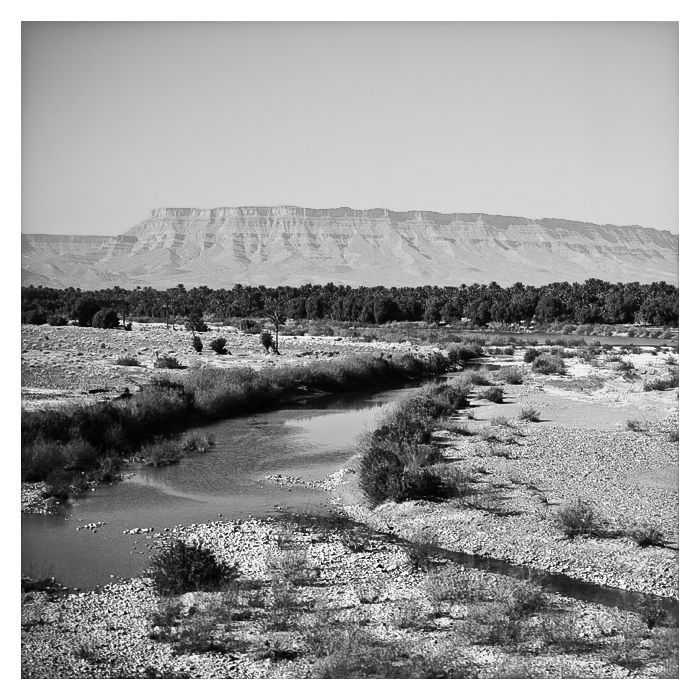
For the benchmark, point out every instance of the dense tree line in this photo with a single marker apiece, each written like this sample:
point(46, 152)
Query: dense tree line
point(593, 301)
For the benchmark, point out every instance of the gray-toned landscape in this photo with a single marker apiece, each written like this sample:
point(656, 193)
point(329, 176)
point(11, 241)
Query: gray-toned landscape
point(339, 442)
point(294, 246)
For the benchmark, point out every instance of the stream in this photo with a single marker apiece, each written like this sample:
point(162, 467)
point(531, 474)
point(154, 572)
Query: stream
point(308, 441)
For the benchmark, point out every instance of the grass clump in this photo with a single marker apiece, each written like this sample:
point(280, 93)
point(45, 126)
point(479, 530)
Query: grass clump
point(218, 345)
point(198, 442)
point(159, 454)
point(291, 565)
point(167, 362)
point(127, 361)
point(531, 354)
point(444, 589)
point(512, 375)
point(479, 378)
point(661, 383)
point(458, 353)
point(493, 394)
point(577, 519)
point(647, 535)
point(548, 364)
point(529, 414)
point(181, 568)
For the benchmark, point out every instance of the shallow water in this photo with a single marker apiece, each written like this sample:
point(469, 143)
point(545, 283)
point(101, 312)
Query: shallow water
point(228, 482)
point(558, 338)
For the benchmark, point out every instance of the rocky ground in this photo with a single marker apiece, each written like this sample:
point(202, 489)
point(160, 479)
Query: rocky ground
point(69, 363)
point(522, 473)
point(302, 587)
point(313, 602)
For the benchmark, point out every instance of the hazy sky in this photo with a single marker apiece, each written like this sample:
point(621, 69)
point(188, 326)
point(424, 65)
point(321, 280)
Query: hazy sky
point(565, 120)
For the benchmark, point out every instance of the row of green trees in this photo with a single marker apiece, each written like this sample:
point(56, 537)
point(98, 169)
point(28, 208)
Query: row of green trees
point(593, 301)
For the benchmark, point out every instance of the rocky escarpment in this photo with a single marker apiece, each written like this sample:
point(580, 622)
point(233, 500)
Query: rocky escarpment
point(294, 245)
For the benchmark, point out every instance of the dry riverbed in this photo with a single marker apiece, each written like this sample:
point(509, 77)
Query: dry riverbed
point(313, 602)
point(522, 473)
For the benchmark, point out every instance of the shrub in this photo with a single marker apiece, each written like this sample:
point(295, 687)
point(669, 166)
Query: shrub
point(500, 451)
point(198, 442)
point(291, 565)
point(548, 364)
point(652, 613)
point(181, 568)
point(459, 354)
point(105, 318)
point(493, 394)
point(266, 340)
point(577, 519)
point(421, 552)
point(167, 362)
point(197, 343)
point(531, 354)
point(56, 320)
point(35, 317)
point(524, 600)
point(399, 472)
point(108, 469)
point(40, 458)
point(479, 379)
point(127, 361)
point(445, 588)
point(512, 375)
point(196, 324)
point(530, 414)
point(218, 345)
point(661, 383)
point(646, 535)
point(84, 311)
point(158, 454)
point(247, 325)
point(501, 420)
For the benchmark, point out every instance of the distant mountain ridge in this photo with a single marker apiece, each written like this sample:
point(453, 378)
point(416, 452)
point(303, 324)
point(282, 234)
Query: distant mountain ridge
point(296, 245)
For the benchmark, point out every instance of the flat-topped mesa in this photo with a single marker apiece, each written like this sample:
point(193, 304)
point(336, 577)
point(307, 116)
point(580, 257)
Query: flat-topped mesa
point(415, 215)
point(298, 245)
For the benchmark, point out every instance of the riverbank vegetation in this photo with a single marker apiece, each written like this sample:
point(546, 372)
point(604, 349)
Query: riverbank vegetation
point(65, 444)
point(398, 463)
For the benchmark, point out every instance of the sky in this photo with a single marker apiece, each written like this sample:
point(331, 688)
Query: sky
point(563, 120)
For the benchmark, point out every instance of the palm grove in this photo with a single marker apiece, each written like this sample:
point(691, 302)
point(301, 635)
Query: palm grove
point(593, 301)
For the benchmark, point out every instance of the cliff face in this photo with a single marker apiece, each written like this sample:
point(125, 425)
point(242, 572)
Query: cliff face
point(292, 245)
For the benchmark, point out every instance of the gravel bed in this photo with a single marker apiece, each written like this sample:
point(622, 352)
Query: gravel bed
point(629, 478)
point(106, 633)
